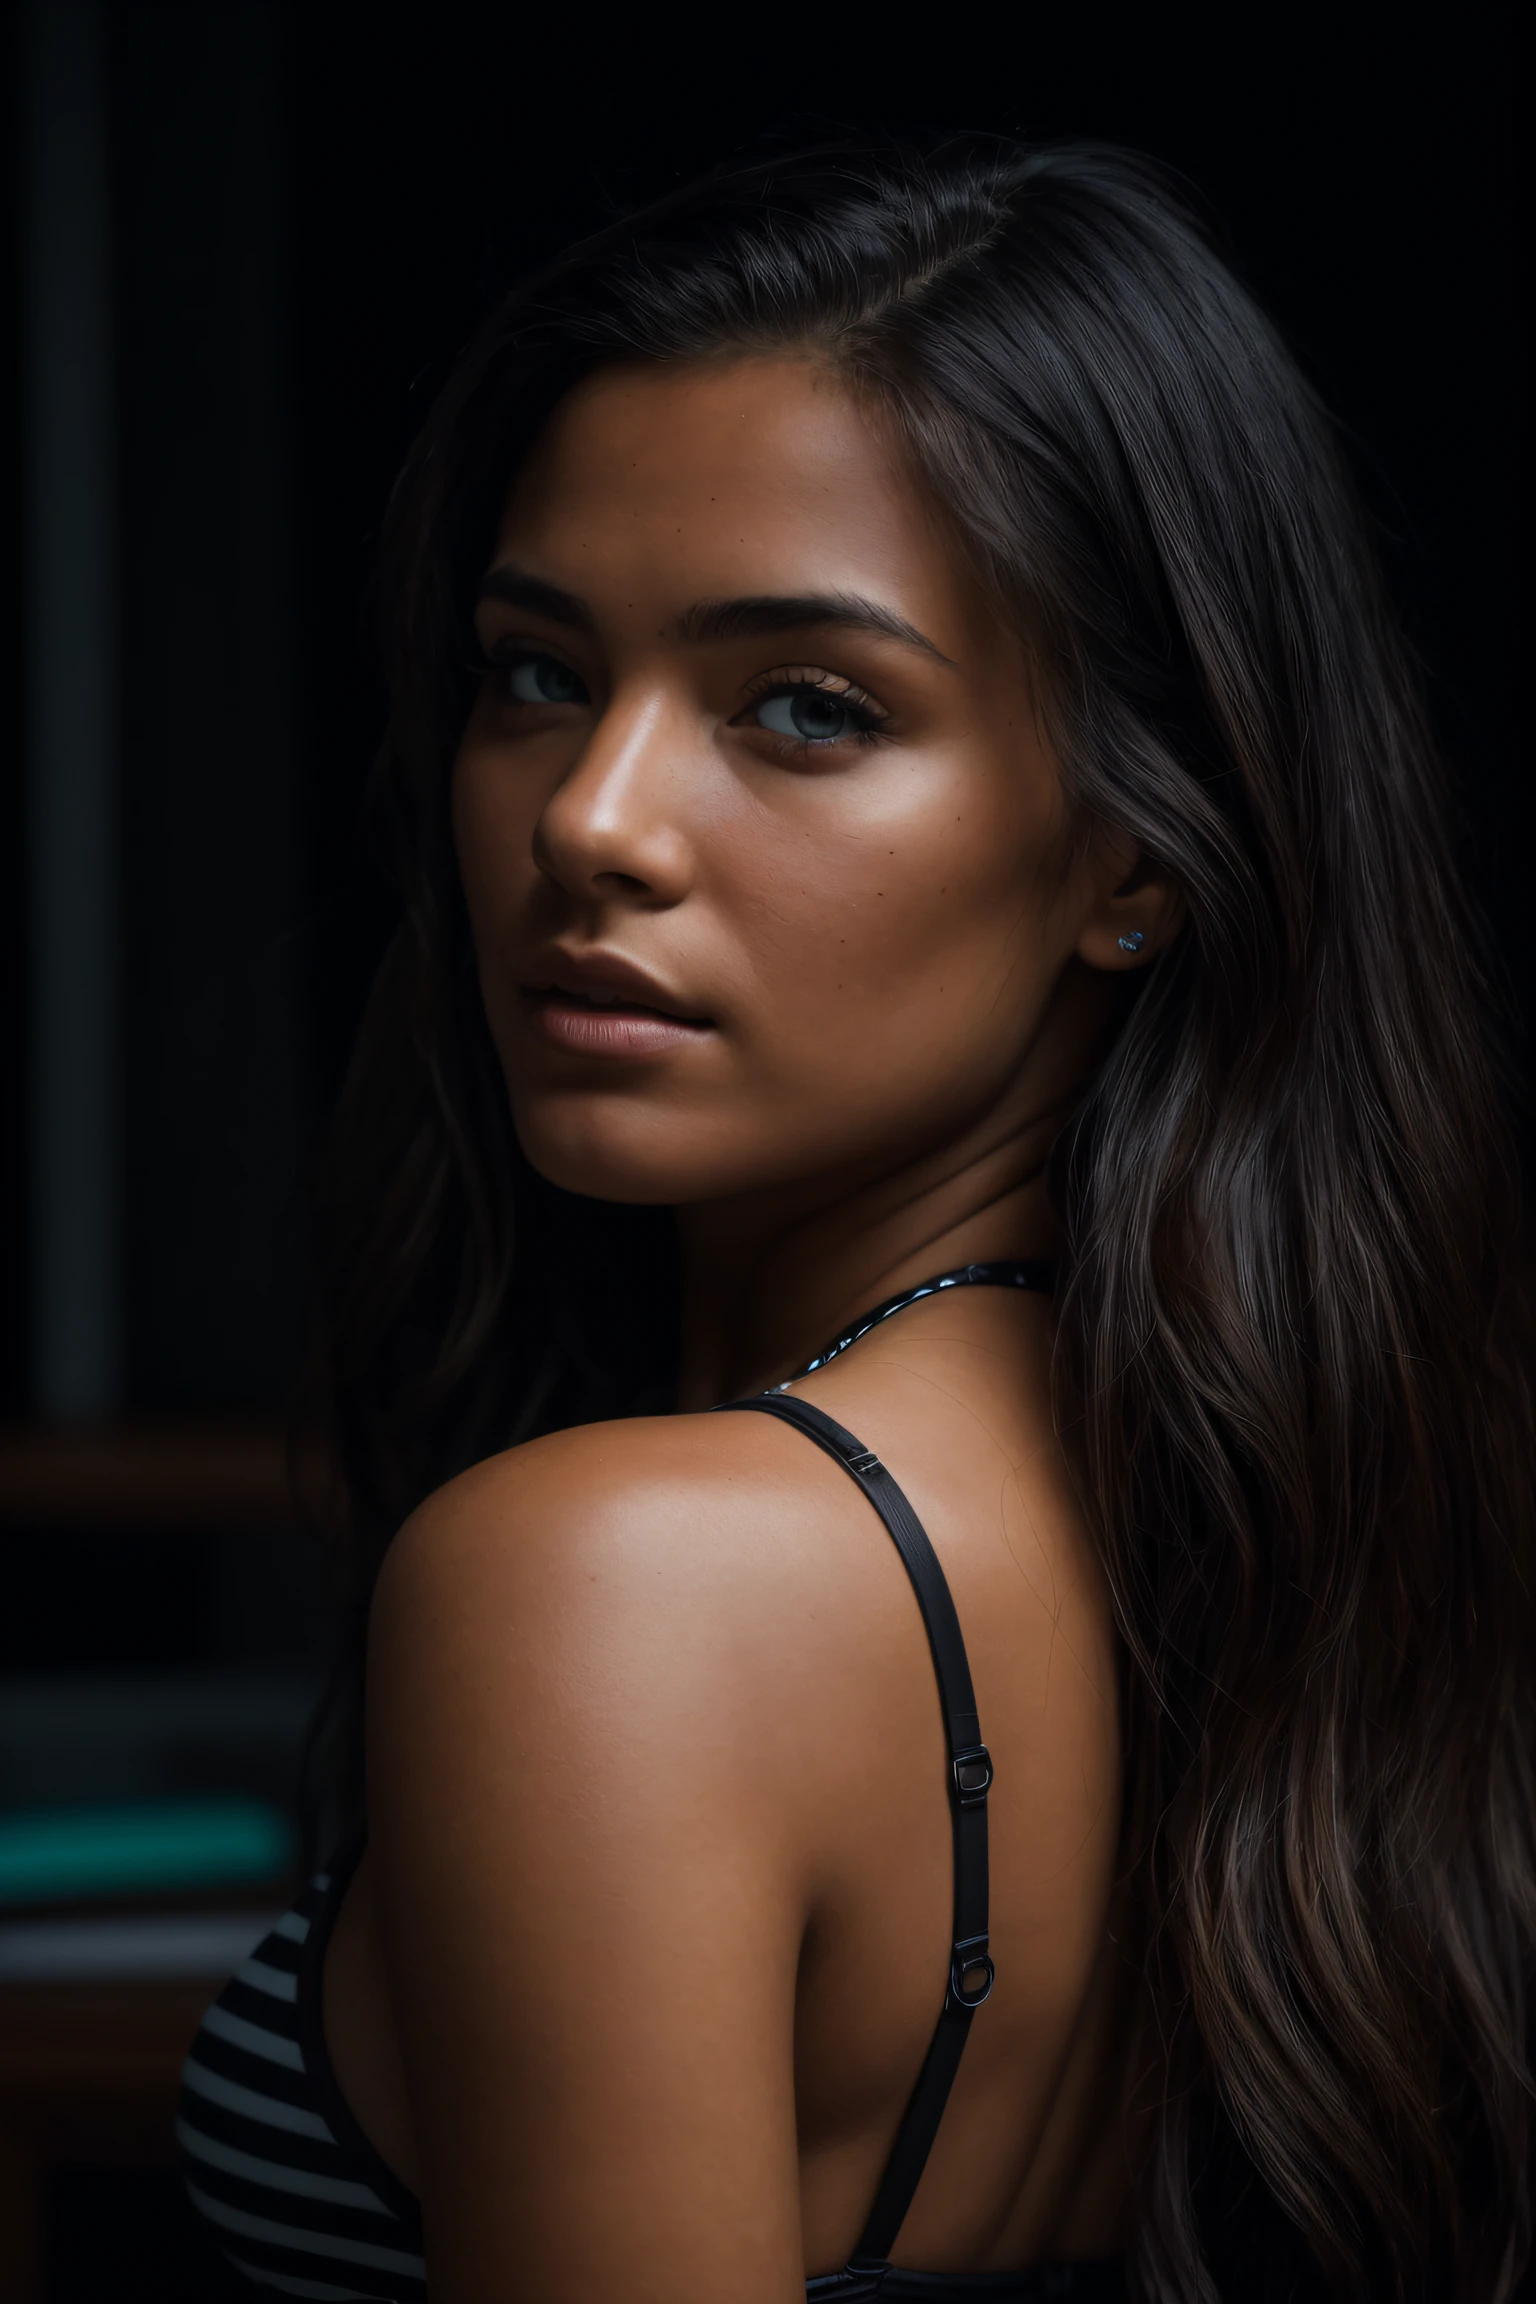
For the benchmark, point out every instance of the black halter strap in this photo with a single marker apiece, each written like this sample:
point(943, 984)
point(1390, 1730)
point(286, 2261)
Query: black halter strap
point(970, 1766)
point(1011, 1272)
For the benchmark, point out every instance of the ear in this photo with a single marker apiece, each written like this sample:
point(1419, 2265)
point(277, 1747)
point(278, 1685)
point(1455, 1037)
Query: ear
point(1133, 912)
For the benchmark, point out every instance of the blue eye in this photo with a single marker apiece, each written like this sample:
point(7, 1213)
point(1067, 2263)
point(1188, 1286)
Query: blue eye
point(544, 680)
point(811, 716)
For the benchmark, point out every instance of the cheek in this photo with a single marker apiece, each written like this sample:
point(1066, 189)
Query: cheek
point(908, 962)
point(493, 817)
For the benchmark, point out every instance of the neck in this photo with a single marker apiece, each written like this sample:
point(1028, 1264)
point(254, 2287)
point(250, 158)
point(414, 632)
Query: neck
point(771, 1277)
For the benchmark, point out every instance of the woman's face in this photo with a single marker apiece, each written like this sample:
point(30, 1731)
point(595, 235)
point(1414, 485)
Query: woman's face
point(767, 859)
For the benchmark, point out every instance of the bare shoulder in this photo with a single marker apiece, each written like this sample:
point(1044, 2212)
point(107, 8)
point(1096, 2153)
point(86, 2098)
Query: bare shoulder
point(616, 1547)
point(702, 1513)
point(661, 1578)
point(587, 1753)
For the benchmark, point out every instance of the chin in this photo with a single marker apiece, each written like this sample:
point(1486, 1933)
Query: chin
point(641, 1160)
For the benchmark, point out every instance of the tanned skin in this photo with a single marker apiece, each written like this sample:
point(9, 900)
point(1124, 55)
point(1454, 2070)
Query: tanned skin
point(652, 1932)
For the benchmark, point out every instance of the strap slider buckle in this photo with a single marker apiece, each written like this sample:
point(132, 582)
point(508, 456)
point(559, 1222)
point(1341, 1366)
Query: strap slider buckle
point(971, 1973)
point(972, 1771)
point(866, 1461)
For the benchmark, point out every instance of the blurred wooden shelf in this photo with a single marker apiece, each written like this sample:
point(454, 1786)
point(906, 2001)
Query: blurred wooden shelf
point(91, 2071)
point(189, 1474)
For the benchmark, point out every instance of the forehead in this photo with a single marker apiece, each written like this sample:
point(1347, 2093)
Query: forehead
point(712, 480)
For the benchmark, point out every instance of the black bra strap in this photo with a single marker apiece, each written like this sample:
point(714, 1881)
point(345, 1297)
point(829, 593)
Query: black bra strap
point(970, 1773)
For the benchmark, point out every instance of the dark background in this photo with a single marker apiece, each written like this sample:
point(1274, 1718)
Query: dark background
point(310, 209)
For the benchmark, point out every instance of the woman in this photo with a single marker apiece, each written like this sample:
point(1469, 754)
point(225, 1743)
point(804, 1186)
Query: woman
point(900, 773)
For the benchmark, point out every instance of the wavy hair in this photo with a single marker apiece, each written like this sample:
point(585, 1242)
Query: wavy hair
point(1286, 1340)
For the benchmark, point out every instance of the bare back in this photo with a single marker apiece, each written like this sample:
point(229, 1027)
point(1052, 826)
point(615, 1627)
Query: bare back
point(849, 1856)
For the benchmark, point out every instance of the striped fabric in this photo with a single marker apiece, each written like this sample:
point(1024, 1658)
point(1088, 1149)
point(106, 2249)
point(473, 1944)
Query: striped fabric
point(293, 2192)
point(298, 2198)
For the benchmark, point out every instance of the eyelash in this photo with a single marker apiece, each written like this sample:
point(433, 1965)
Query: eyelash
point(869, 719)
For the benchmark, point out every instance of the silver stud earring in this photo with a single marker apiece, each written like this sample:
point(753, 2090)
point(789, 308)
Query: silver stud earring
point(1133, 942)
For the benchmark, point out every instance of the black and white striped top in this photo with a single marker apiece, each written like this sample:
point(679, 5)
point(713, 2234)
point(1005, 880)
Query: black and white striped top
point(296, 2196)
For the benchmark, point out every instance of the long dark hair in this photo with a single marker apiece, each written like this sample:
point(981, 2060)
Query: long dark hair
point(1289, 1384)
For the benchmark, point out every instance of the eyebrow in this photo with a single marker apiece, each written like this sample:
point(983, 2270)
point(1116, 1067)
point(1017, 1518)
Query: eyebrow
point(531, 592)
point(758, 616)
point(766, 613)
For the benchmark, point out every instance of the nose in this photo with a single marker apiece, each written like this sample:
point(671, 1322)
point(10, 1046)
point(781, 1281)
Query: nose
point(611, 827)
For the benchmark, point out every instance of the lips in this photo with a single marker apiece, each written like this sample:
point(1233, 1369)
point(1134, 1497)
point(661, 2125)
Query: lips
point(600, 1004)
